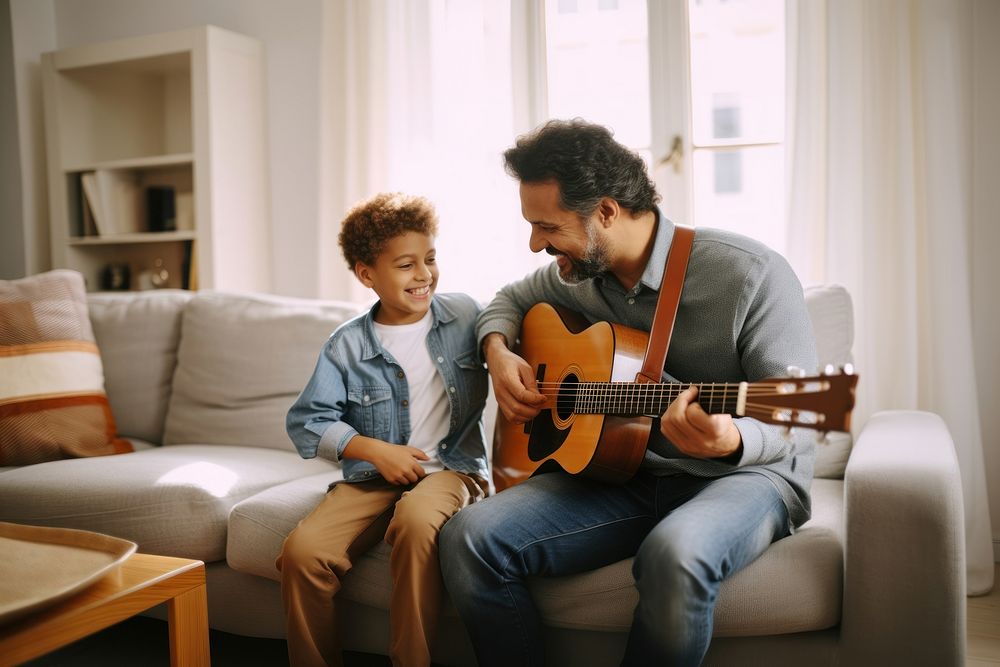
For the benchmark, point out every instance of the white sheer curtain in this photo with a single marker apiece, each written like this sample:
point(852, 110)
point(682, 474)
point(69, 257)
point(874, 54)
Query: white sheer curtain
point(419, 96)
point(879, 201)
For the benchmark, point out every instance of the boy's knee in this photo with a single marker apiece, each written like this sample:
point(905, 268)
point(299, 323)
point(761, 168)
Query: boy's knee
point(302, 555)
point(297, 553)
point(416, 529)
point(293, 550)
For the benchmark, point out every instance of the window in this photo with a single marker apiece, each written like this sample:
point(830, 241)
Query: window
point(705, 75)
point(728, 172)
point(737, 66)
point(597, 66)
point(708, 73)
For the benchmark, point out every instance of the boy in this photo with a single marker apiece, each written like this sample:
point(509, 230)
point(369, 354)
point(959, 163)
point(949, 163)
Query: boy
point(398, 396)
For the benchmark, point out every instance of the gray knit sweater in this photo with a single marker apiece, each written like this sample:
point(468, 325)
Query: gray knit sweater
point(741, 317)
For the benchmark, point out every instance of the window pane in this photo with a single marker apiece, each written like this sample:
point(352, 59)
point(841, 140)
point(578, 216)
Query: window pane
point(738, 190)
point(737, 71)
point(593, 44)
point(728, 172)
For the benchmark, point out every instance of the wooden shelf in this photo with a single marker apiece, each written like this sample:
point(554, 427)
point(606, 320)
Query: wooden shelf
point(151, 162)
point(145, 237)
point(178, 111)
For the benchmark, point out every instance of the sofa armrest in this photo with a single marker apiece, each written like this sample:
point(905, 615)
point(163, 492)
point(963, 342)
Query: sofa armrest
point(904, 580)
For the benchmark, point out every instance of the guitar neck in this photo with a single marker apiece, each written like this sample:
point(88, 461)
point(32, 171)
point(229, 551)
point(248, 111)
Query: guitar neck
point(632, 398)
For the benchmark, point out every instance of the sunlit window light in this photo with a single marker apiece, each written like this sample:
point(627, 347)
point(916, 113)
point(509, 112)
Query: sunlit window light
point(209, 477)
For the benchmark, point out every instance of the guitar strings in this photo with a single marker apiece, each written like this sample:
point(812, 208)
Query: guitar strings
point(607, 397)
point(602, 395)
point(626, 389)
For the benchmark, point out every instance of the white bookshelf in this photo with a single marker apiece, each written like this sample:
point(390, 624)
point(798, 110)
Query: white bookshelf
point(181, 109)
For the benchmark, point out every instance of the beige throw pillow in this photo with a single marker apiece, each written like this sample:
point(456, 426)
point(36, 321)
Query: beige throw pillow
point(52, 399)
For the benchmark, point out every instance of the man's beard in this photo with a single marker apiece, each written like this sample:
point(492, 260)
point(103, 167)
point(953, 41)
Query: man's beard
point(594, 262)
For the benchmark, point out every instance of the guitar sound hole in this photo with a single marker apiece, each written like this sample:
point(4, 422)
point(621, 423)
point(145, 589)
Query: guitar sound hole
point(566, 401)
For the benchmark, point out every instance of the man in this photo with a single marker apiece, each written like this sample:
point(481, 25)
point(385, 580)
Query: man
point(712, 492)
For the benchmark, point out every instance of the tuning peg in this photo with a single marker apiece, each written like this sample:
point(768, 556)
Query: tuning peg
point(795, 372)
point(848, 369)
point(829, 369)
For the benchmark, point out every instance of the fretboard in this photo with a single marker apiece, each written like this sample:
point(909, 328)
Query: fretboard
point(632, 399)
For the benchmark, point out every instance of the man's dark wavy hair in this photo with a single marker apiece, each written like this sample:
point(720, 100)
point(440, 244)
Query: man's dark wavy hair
point(586, 162)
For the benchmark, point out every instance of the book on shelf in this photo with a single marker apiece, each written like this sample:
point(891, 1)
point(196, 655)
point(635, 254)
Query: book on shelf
point(121, 201)
point(114, 199)
point(185, 210)
point(189, 267)
point(93, 214)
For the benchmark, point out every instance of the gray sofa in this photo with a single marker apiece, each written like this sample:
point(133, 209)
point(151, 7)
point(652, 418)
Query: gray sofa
point(201, 382)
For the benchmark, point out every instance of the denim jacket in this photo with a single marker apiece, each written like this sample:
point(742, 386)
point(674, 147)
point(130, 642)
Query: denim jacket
point(358, 388)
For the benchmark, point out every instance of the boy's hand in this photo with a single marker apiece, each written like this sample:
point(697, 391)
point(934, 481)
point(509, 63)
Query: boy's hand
point(398, 464)
point(513, 381)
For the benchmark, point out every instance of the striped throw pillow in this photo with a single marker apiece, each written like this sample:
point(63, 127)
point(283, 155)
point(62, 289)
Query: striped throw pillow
point(52, 400)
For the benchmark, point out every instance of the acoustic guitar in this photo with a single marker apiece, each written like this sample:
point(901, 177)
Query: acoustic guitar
point(597, 420)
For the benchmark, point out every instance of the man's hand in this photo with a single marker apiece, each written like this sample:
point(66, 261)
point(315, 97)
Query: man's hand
point(513, 381)
point(398, 464)
point(697, 433)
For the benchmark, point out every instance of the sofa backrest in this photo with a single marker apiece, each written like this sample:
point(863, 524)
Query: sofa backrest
point(832, 314)
point(138, 334)
point(242, 361)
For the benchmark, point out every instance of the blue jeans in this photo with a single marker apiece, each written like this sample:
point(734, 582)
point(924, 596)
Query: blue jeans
point(687, 534)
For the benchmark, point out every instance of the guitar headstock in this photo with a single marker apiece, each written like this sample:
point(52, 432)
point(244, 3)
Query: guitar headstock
point(821, 402)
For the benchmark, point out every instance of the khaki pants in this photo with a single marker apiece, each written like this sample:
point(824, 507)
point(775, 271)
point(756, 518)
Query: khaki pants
point(350, 520)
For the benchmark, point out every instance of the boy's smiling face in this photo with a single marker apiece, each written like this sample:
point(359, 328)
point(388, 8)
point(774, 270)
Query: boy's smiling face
point(404, 276)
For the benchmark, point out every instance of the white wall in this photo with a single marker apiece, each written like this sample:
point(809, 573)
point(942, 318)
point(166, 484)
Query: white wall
point(11, 235)
point(291, 33)
point(24, 231)
point(986, 241)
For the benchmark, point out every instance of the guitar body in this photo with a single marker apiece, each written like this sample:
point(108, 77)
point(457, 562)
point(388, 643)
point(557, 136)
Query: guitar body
point(563, 350)
point(592, 421)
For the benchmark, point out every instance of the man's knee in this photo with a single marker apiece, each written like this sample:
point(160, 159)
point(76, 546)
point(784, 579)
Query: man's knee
point(667, 558)
point(453, 537)
point(462, 539)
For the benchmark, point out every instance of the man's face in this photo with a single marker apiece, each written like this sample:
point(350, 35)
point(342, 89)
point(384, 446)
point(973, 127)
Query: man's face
point(578, 245)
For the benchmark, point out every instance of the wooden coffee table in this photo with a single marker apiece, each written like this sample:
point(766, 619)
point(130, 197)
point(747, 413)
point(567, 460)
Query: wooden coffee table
point(141, 582)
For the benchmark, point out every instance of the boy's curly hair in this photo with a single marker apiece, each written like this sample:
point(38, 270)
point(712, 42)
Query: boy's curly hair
point(370, 225)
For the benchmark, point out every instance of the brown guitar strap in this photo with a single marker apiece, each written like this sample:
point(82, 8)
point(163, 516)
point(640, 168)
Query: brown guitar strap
point(666, 305)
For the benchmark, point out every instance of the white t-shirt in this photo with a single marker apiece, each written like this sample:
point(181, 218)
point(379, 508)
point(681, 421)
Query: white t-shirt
point(430, 412)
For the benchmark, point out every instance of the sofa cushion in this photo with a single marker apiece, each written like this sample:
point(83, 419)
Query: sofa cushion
point(52, 399)
point(242, 361)
point(794, 587)
point(172, 501)
point(138, 333)
point(259, 525)
point(832, 314)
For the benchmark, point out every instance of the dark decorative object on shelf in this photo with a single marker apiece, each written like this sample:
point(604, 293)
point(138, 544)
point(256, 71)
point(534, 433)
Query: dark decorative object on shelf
point(161, 209)
point(116, 276)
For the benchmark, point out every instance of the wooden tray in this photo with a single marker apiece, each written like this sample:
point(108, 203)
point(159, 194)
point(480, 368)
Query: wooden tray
point(40, 566)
